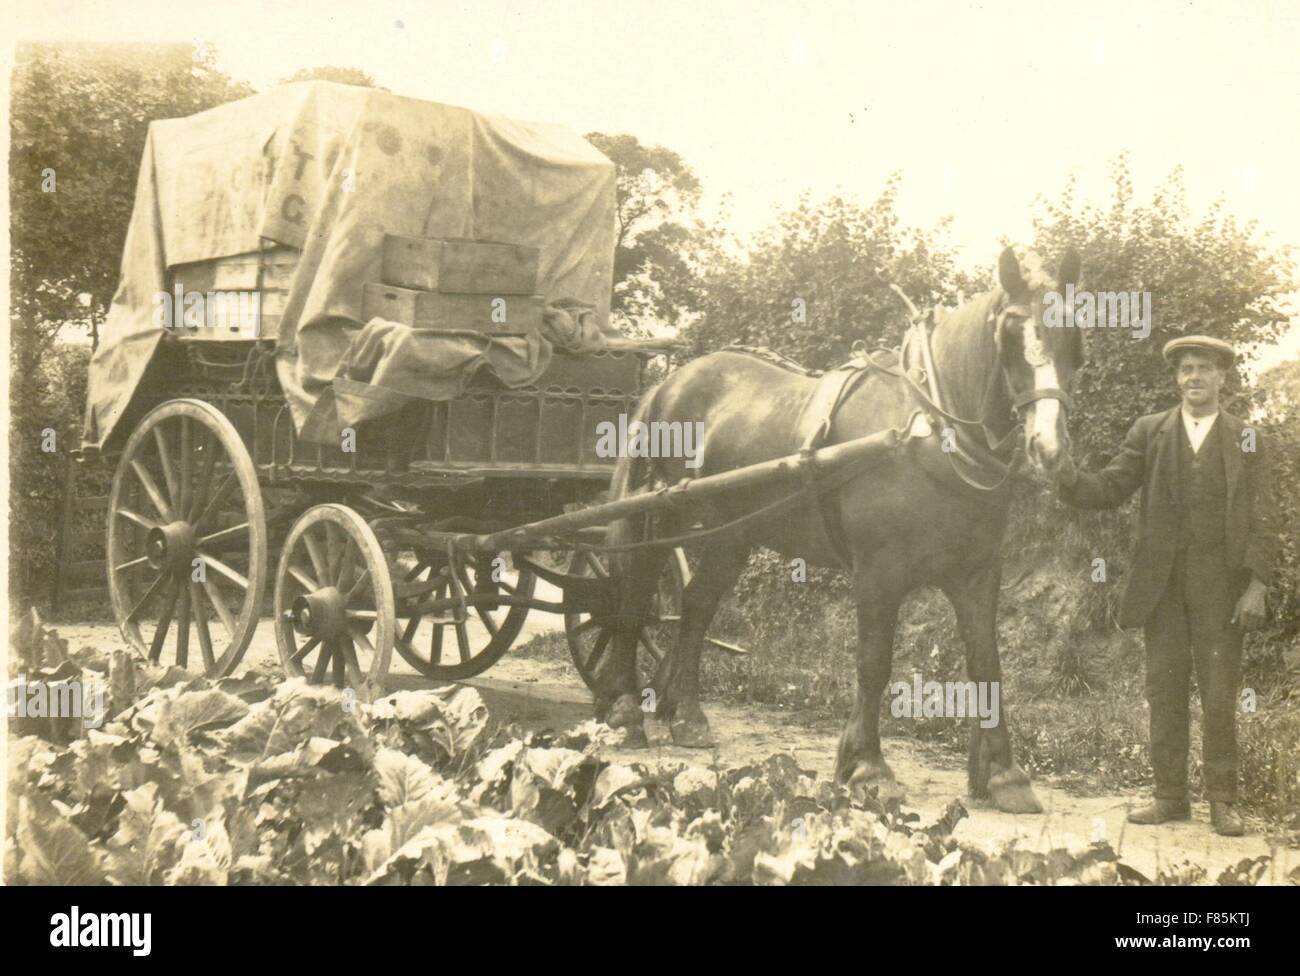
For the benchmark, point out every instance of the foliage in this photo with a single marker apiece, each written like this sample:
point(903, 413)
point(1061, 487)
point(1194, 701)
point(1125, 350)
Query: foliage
point(244, 781)
point(819, 280)
point(83, 111)
point(1210, 275)
point(336, 73)
point(659, 239)
point(53, 394)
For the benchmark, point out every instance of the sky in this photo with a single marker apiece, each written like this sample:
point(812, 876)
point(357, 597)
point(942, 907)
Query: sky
point(980, 106)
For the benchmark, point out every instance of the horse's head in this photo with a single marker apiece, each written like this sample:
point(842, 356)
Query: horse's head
point(1038, 362)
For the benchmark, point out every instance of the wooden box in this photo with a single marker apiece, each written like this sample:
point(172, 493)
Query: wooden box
point(266, 273)
point(442, 312)
point(460, 266)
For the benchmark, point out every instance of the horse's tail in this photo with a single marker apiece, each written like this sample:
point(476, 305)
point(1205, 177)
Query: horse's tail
point(631, 476)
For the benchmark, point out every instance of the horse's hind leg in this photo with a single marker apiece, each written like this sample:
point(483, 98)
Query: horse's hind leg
point(992, 771)
point(619, 703)
point(678, 683)
point(860, 762)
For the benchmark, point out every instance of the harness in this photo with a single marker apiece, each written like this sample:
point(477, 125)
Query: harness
point(989, 453)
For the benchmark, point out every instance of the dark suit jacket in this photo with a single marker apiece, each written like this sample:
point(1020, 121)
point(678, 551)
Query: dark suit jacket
point(1149, 460)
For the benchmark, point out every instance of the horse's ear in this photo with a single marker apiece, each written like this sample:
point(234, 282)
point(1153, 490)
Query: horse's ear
point(1013, 283)
point(1071, 265)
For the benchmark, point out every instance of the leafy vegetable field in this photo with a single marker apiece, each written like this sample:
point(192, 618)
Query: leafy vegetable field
point(244, 780)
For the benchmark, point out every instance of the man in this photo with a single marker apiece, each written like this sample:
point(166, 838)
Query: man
point(1203, 562)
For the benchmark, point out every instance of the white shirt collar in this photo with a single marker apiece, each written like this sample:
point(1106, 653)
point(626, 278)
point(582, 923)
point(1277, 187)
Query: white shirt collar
point(1198, 421)
point(1198, 428)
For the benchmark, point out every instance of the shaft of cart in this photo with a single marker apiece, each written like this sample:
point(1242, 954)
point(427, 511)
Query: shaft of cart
point(799, 466)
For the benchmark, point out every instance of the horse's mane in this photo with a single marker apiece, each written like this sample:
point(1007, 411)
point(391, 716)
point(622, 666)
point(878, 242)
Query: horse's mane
point(964, 352)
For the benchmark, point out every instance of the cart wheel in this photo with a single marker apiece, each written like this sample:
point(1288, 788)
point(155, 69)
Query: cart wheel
point(187, 537)
point(590, 637)
point(481, 634)
point(334, 601)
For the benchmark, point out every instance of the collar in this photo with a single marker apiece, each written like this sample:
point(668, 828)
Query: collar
point(1197, 421)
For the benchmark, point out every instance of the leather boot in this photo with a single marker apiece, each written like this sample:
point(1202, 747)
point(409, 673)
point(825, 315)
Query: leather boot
point(1160, 810)
point(1225, 819)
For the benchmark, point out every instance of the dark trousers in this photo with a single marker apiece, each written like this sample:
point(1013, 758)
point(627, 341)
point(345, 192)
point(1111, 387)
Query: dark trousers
point(1191, 627)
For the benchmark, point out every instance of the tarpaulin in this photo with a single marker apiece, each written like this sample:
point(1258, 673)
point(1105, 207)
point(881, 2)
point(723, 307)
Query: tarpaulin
point(331, 169)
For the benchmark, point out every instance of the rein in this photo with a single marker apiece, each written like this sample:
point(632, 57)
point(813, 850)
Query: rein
point(995, 450)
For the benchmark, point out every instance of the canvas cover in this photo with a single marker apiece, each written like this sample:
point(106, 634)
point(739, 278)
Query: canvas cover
point(330, 169)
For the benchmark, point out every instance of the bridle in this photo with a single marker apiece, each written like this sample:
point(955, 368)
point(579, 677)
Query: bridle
point(997, 454)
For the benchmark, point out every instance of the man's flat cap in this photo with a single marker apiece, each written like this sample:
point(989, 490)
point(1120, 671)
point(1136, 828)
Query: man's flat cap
point(1209, 344)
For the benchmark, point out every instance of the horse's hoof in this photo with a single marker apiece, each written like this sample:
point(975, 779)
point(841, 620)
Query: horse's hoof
point(1011, 792)
point(867, 776)
point(692, 734)
point(624, 713)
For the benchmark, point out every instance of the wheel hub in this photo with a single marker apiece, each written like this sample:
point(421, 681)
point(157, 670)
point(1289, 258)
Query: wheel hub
point(170, 546)
point(319, 614)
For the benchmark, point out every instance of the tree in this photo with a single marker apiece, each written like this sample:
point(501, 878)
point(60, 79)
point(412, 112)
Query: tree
point(80, 115)
point(1211, 275)
point(819, 280)
point(658, 232)
point(344, 76)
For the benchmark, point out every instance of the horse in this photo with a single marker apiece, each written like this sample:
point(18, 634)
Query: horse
point(917, 515)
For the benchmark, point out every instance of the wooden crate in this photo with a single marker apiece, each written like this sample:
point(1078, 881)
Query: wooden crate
point(460, 266)
point(267, 272)
point(442, 312)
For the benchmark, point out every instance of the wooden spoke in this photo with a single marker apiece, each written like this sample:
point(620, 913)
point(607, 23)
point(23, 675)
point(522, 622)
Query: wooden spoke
point(318, 560)
point(218, 499)
point(322, 663)
point(350, 661)
point(347, 566)
point(219, 605)
point(149, 594)
point(164, 622)
point(585, 626)
point(151, 489)
point(139, 520)
point(201, 625)
point(187, 466)
point(168, 470)
point(306, 648)
point(435, 644)
point(132, 563)
point(213, 562)
point(303, 580)
point(183, 627)
point(333, 550)
point(598, 651)
point(358, 586)
point(201, 492)
point(462, 642)
point(341, 647)
point(651, 645)
point(225, 535)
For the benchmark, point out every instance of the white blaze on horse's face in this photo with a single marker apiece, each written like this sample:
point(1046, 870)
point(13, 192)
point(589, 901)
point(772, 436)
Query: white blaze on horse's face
point(1043, 429)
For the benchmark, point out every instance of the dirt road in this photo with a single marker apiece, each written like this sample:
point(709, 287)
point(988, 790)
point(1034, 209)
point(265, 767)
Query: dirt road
point(543, 693)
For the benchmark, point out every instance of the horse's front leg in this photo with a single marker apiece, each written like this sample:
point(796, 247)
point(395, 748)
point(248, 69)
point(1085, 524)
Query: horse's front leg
point(992, 772)
point(860, 761)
